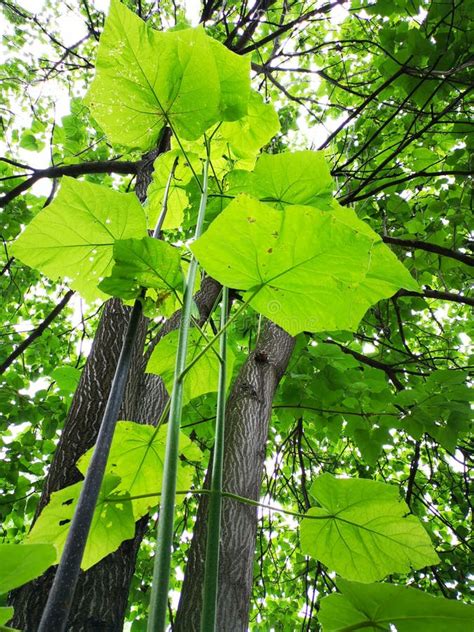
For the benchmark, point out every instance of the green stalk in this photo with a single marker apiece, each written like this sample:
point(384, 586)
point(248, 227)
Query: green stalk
point(161, 570)
point(211, 571)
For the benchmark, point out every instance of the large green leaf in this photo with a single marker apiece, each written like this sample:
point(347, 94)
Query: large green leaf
point(137, 457)
point(362, 530)
point(74, 236)
point(304, 268)
point(202, 377)
point(112, 523)
point(379, 606)
point(146, 262)
point(146, 79)
point(20, 563)
point(300, 177)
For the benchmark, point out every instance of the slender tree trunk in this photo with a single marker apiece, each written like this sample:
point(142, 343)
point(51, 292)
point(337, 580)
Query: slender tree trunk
point(248, 414)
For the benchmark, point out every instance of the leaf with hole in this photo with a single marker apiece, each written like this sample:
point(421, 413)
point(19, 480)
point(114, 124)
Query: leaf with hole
point(112, 523)
point(137, 457)
point(146, 79)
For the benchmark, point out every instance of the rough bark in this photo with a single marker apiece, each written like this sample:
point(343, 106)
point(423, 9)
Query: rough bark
point(101, 595)
point(248, 415)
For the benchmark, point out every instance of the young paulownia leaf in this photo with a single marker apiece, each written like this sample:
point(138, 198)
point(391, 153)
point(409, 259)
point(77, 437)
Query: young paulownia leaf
point(146, 262)
point(74, 236)
point(202, 377)
point(362, 530)
point(137, 457)
point(305, 269)
point(20, 563)
point(300, 177)
point(146, 79)
point(113, 522)
point(377, 607)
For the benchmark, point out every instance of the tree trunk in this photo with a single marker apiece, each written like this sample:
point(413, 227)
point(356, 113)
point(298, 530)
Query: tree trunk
point(248, 413)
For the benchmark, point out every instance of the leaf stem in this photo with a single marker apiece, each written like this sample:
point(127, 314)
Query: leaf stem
point(161, 570)
point(211, 572)
point(55, 615)
point(220, 332)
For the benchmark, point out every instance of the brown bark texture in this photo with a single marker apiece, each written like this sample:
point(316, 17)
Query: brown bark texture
point(248, 413)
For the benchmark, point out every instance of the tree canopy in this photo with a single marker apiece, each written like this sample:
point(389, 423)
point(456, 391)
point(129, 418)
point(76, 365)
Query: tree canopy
point(286, 187)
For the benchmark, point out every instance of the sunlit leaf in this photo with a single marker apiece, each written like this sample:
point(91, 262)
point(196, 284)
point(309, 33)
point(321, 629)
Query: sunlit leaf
point(74, 236)
point(20, 563)
point(300, 177)
point(146, 79)
point(362, 531)
point(304, 268)
point(137, 457)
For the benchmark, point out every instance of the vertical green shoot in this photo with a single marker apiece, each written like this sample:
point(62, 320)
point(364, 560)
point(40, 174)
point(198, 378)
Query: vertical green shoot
point(161, 570)
point(211, 572)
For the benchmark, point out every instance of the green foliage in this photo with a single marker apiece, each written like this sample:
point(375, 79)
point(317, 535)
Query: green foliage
point(136, 461)
point(304, 268)
point(146, 79)
point(21, 563)
point(379, 606)
point(390, 402)
point(113, 521)
point(149, 263)
point(74, 236)
point(362, 530)
point(285, 179)
point(202, 376)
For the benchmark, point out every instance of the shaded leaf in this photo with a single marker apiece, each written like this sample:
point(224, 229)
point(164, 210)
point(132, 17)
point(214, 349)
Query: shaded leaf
point(376, 607)
point(202, 377)
point(112, 523)
point(146, 262)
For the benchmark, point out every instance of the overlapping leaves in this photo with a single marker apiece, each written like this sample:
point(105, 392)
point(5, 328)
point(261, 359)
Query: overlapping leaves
point(145, 262)
point(134, 468)
point(112, 523)
point(381, 606)
point(74, 236)
point(203, 375)
point(137, 457)
point(147, 79)
point(304, 268)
